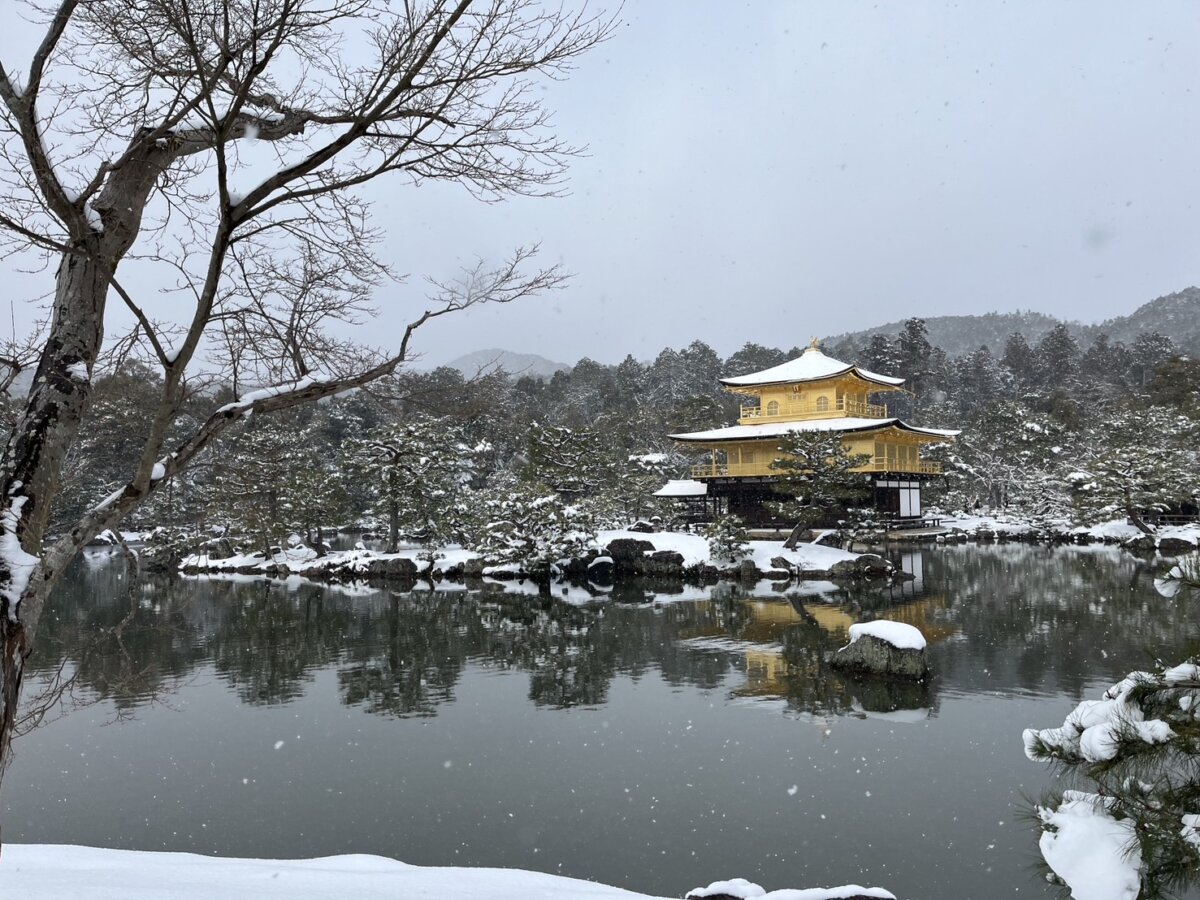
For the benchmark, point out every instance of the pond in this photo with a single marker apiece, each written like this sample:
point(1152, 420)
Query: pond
point(657, 746)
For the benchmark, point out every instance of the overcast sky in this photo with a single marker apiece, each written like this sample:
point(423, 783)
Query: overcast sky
point(771, 171)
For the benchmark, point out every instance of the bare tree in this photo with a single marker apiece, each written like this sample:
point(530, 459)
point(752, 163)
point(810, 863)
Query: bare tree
point(131, 142)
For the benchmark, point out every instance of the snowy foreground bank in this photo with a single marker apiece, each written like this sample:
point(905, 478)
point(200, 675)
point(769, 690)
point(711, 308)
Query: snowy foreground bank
point(64, 872)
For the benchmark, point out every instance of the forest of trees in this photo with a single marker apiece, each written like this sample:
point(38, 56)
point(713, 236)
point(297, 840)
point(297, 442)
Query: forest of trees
point(1049, 430)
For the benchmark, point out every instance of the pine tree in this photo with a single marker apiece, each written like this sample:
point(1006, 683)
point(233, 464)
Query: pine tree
point(1057, 359)
point(534, 533)
point(817, 477)
point(728, 541)
point(250, 489)
point(1150, 350)
point(1021, 363)
point(881, 355)
point(1010, 457)
point(1137, 462)
point(752, 358)
point(980, 381)
point(573, 462)
point(913, 348)
point(418, 471)
point(1139, 746)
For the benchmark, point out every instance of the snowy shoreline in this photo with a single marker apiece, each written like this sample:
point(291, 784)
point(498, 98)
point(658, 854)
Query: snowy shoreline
point(614, 556)
point(67, 872)
point(618, 556)
point(1168, 539)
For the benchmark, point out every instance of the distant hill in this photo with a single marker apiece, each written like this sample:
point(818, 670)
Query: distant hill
point(962, 334)
point(1175, 315)
point(515, 364)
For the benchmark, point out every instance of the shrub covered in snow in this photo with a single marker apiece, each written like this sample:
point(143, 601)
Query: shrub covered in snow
point(1186, 570)
point(728, 541)
point(533, 533)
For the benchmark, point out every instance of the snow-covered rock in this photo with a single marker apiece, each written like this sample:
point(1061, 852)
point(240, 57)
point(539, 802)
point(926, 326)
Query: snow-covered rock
point(884, 648)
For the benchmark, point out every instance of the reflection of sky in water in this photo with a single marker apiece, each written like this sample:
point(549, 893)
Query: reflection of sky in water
point(667, 745)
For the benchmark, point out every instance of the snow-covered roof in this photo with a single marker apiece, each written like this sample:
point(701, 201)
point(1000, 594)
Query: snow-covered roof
point(684, 487)
point(779, 429)
point(811, 365)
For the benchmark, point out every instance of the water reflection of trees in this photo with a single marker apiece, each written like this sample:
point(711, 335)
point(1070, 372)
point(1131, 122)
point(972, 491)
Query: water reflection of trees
point(1052, 619)
point(111, 637)
point(1009, 615)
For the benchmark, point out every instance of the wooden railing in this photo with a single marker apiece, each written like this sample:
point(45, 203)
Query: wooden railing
point(811, 410)
point(736, 470)
point(879, 464)
point(882, 464)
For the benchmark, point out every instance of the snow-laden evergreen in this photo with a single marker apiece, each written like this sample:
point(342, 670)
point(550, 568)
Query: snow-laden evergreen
point(1139, 748)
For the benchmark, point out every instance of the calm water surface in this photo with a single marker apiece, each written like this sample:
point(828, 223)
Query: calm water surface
point(657, 745)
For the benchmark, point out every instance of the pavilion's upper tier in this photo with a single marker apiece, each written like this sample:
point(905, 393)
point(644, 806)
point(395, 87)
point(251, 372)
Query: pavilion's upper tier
point(811, 365)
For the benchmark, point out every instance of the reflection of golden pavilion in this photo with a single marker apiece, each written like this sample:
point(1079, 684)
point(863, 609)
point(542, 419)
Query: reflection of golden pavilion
point(766, 674)
point(767, 671)
point(925, 615)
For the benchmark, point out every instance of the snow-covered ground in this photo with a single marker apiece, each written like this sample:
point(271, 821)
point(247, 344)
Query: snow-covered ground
point(64, 872)
point(997, 524)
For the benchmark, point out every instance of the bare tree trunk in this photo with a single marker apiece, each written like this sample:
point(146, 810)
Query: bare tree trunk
point(1135, 519)
point(442, 98)
point(393, 524)
point(33, 463)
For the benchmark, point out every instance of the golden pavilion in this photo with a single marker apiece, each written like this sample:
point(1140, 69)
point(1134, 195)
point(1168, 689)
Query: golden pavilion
point(812, 392)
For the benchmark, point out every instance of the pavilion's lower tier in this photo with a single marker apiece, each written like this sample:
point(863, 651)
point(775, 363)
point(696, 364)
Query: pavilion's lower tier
point(894, 495)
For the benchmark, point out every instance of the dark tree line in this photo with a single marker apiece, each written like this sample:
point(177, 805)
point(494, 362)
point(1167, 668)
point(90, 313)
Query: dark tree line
point(1031, 416)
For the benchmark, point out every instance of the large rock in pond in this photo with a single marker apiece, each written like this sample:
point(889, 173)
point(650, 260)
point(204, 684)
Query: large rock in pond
point(747, 572)
point(783, 564)
point(600, 570)
point(868, 565)
point(885, 648)
point(1171, 546)
point(392, 568)
point(1143, 543)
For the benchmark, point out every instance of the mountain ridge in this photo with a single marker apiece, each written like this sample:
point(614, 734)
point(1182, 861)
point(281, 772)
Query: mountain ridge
point(1176, 315)
point(515, 364)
